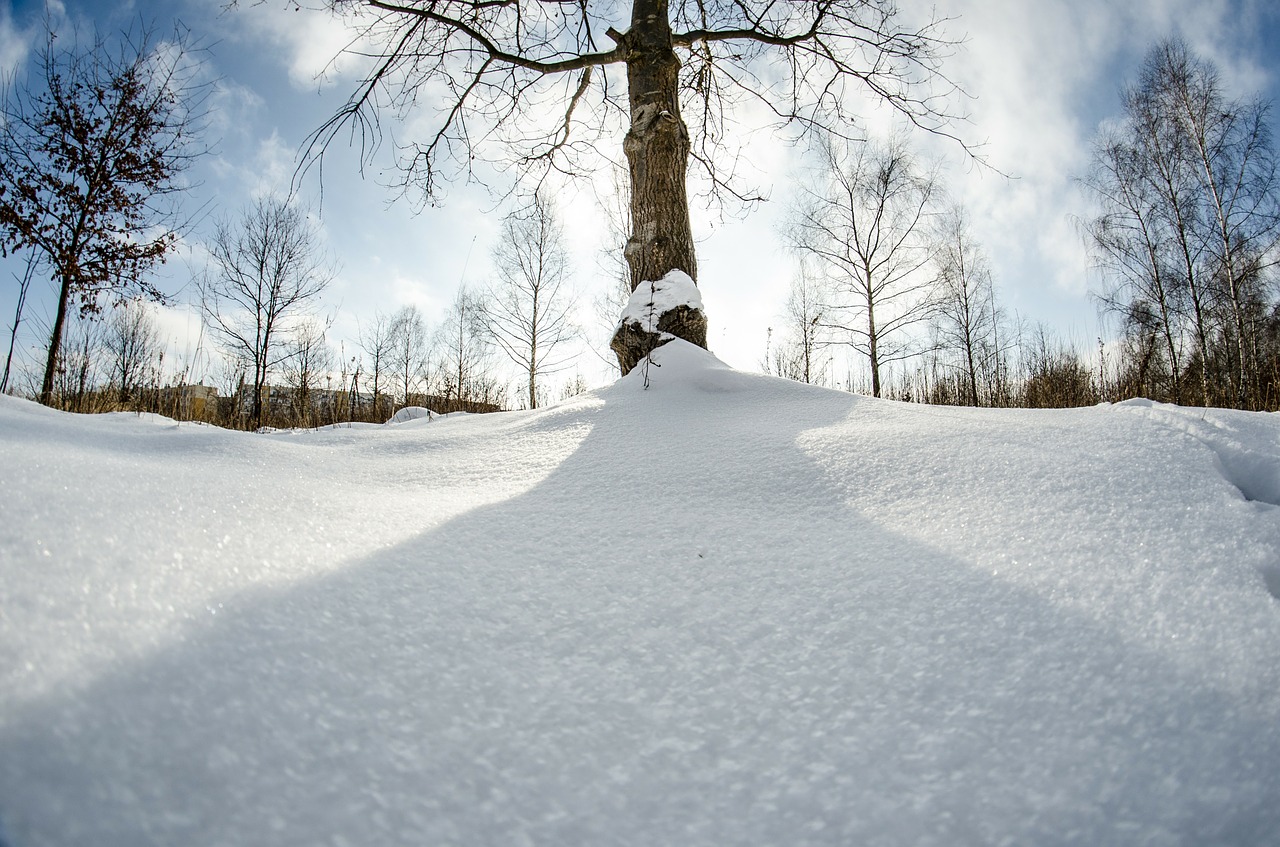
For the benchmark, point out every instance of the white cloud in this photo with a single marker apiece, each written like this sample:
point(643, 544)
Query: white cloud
point(312, 43)
point(1044, 75)
point(15, 44)
point(233, 108)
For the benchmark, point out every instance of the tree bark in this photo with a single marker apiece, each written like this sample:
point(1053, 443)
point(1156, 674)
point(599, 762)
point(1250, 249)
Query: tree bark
point(55, 342)
point(873, 335)
point(657, 151)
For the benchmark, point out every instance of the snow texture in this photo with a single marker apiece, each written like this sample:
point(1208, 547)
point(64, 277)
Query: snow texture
point(650, 300)
point(727, 610)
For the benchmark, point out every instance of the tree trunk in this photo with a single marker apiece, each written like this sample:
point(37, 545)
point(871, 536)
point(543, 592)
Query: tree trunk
point(873, 333)
point(973, 369)
point(873, 348)
point(657, 150)
point(55, 342)
point(259, 382)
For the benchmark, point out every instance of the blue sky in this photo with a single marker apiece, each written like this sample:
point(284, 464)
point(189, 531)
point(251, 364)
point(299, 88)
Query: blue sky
point(1044, 74)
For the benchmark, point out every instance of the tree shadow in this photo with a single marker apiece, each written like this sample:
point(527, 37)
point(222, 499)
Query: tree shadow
point(698, 681)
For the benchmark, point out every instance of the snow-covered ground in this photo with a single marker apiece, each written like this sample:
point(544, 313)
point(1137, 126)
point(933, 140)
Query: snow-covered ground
point(725, 610)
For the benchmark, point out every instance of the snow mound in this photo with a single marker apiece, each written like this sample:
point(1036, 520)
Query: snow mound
point(1247, 445)
point(650, 300)
point(411, 413)
point(727, 609)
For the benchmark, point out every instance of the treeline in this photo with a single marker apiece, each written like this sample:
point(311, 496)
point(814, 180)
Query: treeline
point(265, 342)
point(94, 144)
point(1034, 369)
point(1187, 237)
point(121, 364)
point(1037, 370)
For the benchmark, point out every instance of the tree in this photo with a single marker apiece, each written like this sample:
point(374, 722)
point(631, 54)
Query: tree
point(80, 369)
point(1229, 142)
point(1190, 221)
point(865, 222)
point(265, 270)
point(1131, 238)
point(308, 359)
point(377, 341)
point(966, 317)
point(132, 342)
point(91, 148)
point(408, 355)
point(527, 310)
point(465, 376)
point(537, 84)
point(796, 355)
point(24, 287)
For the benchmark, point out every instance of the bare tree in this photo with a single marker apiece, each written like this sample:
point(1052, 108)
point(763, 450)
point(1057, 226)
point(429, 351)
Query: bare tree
point(91, 148)
point(798, 352)
point(24, 287)
point(266, 269)
point(80, 370)
point(377, 342)
point(1131, 239)
point(307, 361)
point(132, 341)
point(1190, 190)
point(409, 353)
point(527, 311)
point(966, 317)
point(540, 84)
point(465, 366)
point(1230, 144)
point(865, 222)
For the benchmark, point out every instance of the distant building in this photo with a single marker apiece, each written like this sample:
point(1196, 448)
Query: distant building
point(198, 402)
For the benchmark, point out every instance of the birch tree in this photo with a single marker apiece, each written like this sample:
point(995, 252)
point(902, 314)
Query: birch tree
point(865, 221)
point(464, 355)
point(528, 309)
point(377, 341)
point(966, 317)
point(408, 352)
point(805, 330)
point(133, 345)
point(1190, 221)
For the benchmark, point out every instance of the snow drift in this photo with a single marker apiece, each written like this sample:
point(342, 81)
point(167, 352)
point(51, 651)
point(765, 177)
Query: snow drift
point(728, 609)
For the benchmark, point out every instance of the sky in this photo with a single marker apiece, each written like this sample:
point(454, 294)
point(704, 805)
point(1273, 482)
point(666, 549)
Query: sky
point(1042, 75)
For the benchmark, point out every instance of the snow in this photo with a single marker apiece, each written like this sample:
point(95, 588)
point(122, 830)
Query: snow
point(405, 414)
point(728, 609)
point(649, 300)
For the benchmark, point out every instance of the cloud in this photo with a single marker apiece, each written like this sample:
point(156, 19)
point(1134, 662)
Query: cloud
point(15, 44)
point(1044, 76)
point(272, 166)
point(312, 43)
point(233, 108)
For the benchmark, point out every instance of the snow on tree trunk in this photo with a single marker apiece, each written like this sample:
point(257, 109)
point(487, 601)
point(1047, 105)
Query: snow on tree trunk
point(659, 311)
